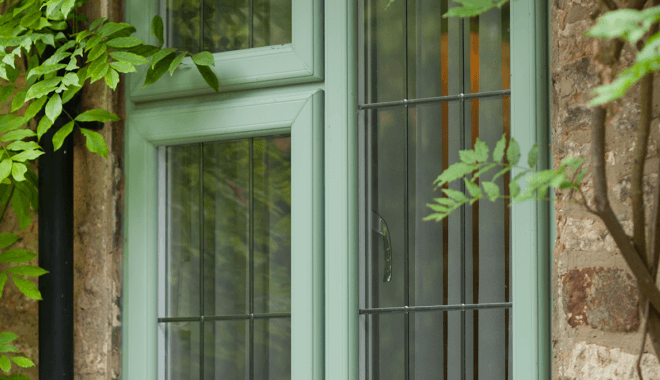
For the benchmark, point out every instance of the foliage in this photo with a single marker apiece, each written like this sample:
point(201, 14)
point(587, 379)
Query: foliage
point(475, 164)
point(44, 43)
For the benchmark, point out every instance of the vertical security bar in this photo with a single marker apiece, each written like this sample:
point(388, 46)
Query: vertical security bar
point(406, 227)
point(201, 261)
point(201, 27)
point(462, 189)
point(251, 258)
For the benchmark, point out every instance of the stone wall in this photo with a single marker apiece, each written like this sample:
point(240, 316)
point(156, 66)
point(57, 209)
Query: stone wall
point(595, 322)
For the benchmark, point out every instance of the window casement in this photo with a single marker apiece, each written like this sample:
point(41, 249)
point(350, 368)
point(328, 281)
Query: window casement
point(308, 89)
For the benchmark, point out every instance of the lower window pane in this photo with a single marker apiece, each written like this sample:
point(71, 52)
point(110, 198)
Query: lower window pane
point(179, 347)
point(226, 350)
point(272, 349)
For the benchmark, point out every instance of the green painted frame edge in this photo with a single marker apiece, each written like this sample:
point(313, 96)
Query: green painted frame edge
point(298, 62)
point(529, 124)
point(139, 333)
point(341, 189)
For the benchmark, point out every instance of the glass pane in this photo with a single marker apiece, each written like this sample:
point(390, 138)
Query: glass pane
point(386, 132)
point(488, 59)
point(226, 25)
point(226, 350)
point(272, 349)
point(183, 232)
point(226, 227)
point(183, 19)
point(488, 355)
point(272, 22)
point(272, 229)
point(385, 347)
point(435, 345)
point(180, 346)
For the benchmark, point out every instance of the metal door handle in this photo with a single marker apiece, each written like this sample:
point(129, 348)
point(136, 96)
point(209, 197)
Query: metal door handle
point(380, 227)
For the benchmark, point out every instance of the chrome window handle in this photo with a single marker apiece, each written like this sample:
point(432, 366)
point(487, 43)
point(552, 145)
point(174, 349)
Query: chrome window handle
point(380, 227)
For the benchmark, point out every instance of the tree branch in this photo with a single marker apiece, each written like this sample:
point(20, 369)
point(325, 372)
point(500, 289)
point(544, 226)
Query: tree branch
point(645, 282)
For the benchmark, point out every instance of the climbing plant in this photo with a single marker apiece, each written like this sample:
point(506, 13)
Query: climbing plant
point(48, 52)
point(617, 25)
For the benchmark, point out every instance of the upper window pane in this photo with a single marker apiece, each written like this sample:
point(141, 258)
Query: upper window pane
point(226, 25)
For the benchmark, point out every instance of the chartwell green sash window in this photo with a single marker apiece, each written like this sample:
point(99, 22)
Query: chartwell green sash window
point(256, 232)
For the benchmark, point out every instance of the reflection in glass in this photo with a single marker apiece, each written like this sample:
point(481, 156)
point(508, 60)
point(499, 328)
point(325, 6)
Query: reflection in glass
point(181, 342)
point(183, 232)
point(225, 350)
point(227, 25)
point(272, 349)
point(230, 200)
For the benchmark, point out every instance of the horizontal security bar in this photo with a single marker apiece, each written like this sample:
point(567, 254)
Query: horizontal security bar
point(235, 317)
point(435, 99)
point(417, 309)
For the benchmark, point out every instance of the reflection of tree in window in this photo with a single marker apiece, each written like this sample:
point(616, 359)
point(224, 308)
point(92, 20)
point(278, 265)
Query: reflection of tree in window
point(227, 24)
point(246, 204)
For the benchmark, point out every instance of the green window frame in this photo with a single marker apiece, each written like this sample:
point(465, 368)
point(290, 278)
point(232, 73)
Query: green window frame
point(297, 62)
point(319, 109)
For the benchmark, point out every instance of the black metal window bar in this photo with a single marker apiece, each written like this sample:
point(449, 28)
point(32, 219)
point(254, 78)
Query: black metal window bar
point(372, 225)
point(251, 316)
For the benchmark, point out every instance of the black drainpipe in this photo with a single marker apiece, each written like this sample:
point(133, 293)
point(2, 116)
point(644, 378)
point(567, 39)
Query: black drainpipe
point(56, 254)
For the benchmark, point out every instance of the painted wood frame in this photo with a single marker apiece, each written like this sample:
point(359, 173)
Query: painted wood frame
point(297, 62)
point(299, 114)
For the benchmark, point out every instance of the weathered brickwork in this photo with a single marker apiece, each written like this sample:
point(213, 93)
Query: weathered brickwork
point(596, 322)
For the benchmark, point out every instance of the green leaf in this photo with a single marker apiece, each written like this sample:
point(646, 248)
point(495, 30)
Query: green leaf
point(445, 202)
point(96, 52)
point(27, 155)
point(18, 172)
point(473, 189)
point(437, 207)
point(6, 348)
point(45, 69)
point(5, 168)
point(19, 99)
point(6, 92)
point(61, 53)
point(513, 152)
point(204, 58)
point(27, 288)
point(153, 74)
point(7, 337)
point(514, 189)
point(626, 24)
point(176, 62)
point(498, 152)
point(99, 115)
point(93, 42)
point(22, 361)
point(43, 127)
point(27, 270)
point(30, 19)
point(160, 55)
point(468, 156)
point(124, 42)
point(481, 150)
point(23, 145)
point(533, 156)
point(157, 29)
point(123, 67)
point(7, 239)
point(98, 68)
point(501, 173)
point(43, 88)
point(17, 256)
point(578, 180)
point(66, 7)
point(483, 170)
point(54, 107)
point(3, 281)
point(112, 78)
point(144, 50)
point(5, 364)
point(110, 28)
point(209, 77)
point(96, 23)
point(35, 107)
point(492, 190)
point(454, 172)
point(128, 57)
point(471, 8)
point(456, 195)
point(95, 142)
point(71, 79)
point(59, 136)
